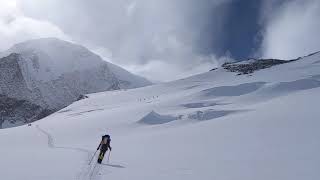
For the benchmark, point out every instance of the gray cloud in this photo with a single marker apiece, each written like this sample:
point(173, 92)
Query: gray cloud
point(291, 28)
point(166, 39)
point(16, 27)
point(181, 36)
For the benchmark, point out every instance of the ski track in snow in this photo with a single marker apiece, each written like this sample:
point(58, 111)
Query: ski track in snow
point(88, 171)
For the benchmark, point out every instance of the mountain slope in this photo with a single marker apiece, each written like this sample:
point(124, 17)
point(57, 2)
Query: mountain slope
point(52, 73)
point(127, 79)
point(215, 125)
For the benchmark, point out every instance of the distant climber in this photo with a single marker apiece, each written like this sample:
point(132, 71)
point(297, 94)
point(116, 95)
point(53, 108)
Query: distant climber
point(104, 146)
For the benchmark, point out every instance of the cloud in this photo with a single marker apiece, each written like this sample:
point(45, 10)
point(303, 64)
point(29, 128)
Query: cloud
point(158, 70)
point(292, 29)
point(184, 37)
point(15, 27)
point(141, 33)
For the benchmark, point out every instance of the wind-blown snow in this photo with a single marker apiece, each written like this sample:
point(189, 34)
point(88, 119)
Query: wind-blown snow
point(57, 57)
point(128, 80)
point(266, 128)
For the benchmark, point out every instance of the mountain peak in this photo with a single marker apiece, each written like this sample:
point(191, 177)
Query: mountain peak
point(45, 44)
point(56, 57)
point(52, 73)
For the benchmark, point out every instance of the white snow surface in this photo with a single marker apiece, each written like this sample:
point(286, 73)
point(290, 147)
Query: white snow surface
point(215, 125)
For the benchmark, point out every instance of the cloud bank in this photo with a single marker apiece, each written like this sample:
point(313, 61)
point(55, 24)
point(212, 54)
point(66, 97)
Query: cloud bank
point(15, 27)
point(167, 39)
point(291, 29)
point(141, 35)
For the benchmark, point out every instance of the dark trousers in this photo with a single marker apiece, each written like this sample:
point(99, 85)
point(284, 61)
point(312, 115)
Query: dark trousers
point(101, 155)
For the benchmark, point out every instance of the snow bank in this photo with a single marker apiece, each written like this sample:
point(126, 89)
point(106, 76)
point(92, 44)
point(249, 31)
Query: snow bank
point(154, 118)
point(236, 90)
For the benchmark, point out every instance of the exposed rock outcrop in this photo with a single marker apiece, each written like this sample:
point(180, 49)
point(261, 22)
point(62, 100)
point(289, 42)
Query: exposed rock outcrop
point(253, 65)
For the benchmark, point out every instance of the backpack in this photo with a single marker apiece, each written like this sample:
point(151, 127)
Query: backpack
point(106, 137)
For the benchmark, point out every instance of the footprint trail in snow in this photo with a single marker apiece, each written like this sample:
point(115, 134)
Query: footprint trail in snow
point(87, 172)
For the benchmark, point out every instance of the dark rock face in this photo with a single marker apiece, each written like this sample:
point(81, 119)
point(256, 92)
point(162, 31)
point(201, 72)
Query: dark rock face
point(82, 97)
point(11, 77)
point(14, 111)
point(16, 107)
point(253, 66)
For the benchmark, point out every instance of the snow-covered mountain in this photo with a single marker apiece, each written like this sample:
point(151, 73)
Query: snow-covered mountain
point(217, 125)
point(52, 73)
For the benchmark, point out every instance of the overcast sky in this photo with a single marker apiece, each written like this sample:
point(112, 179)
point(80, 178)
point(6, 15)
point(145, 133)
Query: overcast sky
point(169, 39)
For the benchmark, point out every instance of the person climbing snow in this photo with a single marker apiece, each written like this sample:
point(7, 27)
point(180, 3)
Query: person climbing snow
point(104, 146)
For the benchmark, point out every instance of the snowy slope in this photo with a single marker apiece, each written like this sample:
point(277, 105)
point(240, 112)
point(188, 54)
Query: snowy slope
point(215, 125)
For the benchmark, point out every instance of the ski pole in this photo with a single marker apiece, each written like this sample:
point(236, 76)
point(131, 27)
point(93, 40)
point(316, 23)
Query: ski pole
point(93, 157)
point(109, 157)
